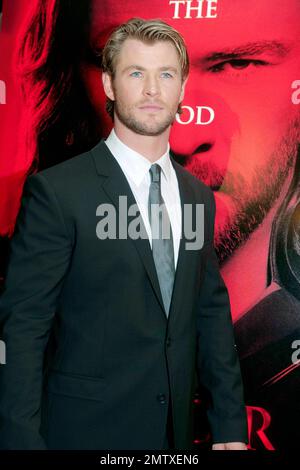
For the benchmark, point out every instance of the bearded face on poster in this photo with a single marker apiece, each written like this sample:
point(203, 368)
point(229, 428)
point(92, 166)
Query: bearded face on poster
point(238, 132)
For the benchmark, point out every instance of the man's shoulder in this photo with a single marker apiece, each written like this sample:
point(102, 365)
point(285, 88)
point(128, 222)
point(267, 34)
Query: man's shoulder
point(77, 165)
point(76, 171)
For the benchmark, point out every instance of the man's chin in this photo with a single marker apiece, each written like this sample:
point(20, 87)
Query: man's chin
point(147, 129)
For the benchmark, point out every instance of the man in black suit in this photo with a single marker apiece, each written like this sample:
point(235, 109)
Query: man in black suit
point(104, 333)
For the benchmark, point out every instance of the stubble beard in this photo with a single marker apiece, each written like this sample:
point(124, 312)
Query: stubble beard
point(127, 118)
point(251, 201)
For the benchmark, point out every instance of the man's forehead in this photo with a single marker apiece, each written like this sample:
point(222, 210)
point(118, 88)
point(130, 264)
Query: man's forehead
point(243, 20)
point(138, 54)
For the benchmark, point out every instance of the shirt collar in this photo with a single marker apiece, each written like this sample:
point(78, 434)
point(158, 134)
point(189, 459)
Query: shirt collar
point(135, 165)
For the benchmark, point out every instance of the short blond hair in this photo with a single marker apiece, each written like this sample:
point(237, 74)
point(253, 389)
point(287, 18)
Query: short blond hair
point(149, 32)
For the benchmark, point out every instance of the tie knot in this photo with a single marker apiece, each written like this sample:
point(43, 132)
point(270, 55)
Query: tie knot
point(155, 173)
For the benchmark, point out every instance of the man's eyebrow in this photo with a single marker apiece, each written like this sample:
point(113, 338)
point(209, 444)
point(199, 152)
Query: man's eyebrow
point(249, 49)
point(139, 67)
point(169, 67)
point(133, 66)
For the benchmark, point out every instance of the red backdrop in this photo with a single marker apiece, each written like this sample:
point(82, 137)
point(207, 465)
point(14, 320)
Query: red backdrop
point(239, 133)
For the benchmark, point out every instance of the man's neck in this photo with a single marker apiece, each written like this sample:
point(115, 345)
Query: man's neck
point(151, 147)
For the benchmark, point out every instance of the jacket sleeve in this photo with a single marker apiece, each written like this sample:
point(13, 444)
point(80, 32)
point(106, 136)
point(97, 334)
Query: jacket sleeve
point(40, 252)
point(217, 360)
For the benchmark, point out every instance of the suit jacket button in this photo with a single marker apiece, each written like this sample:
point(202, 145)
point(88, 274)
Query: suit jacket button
point(168, 343)
point(161, 398)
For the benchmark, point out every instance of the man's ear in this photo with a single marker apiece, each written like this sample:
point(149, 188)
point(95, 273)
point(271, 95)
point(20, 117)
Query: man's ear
point(107, 85)
point(183, 89)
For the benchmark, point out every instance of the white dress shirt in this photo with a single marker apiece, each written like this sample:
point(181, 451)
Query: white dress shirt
point(136, 169)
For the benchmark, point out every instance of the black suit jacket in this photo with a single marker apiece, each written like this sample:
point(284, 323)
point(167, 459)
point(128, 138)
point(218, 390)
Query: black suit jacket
point(92, 360)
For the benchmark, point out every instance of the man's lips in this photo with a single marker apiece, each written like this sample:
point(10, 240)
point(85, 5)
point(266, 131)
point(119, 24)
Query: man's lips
point(201, 165)
point(151, 107)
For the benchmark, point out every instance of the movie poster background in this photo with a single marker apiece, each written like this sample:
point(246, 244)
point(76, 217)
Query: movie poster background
point(239, 133)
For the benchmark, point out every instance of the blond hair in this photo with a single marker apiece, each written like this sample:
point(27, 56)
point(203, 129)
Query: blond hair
point(147, 31)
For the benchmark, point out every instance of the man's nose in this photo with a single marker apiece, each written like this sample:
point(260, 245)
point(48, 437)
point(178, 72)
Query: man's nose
point(151, 86)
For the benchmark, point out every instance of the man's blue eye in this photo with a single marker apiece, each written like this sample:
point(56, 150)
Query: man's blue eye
point(135, 74)
point(167, 75)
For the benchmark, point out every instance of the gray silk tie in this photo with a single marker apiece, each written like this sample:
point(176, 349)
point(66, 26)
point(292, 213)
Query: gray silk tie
point(162, 239)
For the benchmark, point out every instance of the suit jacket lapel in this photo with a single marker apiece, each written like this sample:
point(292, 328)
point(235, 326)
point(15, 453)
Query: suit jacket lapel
point(115, 184)
point(183, 266)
